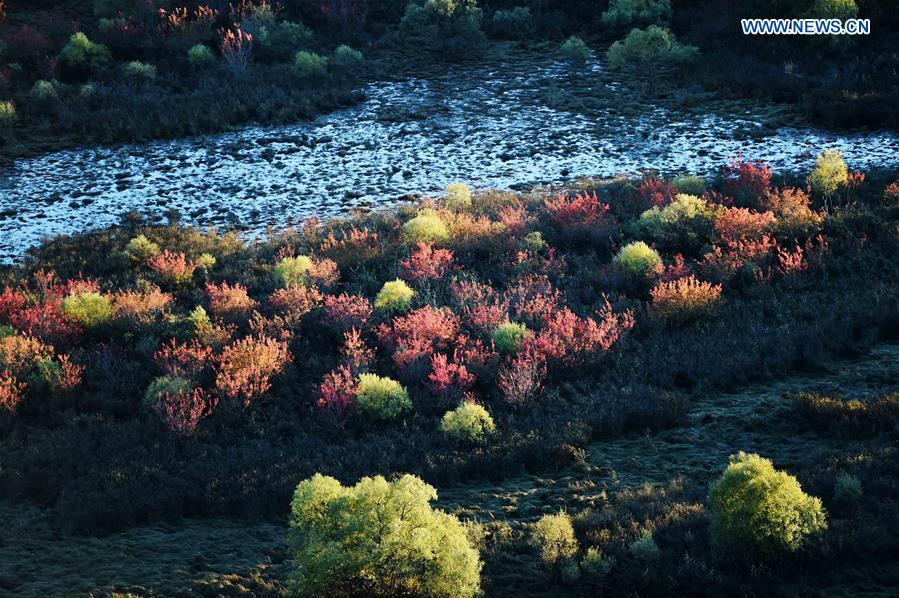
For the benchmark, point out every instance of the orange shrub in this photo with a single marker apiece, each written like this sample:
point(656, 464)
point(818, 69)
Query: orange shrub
point(230, 302)
point(741, 223)
point(295, 301)
point(245, 368)
point(140, 308)
point(684, 299)
point(11, 391)
point(173, 268)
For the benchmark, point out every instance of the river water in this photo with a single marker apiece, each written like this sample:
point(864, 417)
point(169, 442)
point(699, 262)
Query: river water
point(510, 124)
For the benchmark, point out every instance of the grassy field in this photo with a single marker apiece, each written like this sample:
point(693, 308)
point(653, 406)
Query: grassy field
point(655, 479)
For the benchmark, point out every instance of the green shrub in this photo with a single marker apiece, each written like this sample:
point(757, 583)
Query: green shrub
point(645, 548)
point(284, 39)
point(293, 271)
point(469, 422)
point(81, 53)
point(575, 50)
point(534, 241)
point(595, 566)
point(638, 259)
point(425, 227)
point(346, 57)
point(199, 321)
point(458, 196)
point(829, 175)
point(310, 65)
point(553, 536)
point(847, 492)
point(140, 249)
point(87, 309)
point(508, 336)
point(395, 296)
point(515, 23)
point(686, 223)
point(756, 508)
point(650, 53)
point(206, 261)
point(381, 398)
point(449, 26)
point(44, 93)
point(625, 13)
point(165, 385)
point(377, 538)
point(690, 185)
point(8, 114)
point(139, 71)
point(200, 57)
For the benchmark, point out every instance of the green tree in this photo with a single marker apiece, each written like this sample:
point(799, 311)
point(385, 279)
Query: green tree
point(377, 538)
point(649, 53)
point(450, 26)
point(829, 175)
point(625, 13)
point(756, 508)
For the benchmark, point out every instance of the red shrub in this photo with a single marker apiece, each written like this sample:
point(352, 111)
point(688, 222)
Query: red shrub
point(173, 268)
point(792, 265)
point(449, 380)
point(295, 301)
point(183, 360)
point(481, 307)
point(245, 368)
point(723, 262)
point(11, 392)
point(352, 247)
point(414, 337)
point(521, 379)
point(20, 354)
point(477, 358)
point(230, 302)
point(676, 269)
point(747, 182)
point(337, 392)
point(355, 352)
point(516, 219)
point(533, 298)
point(427, 263)
point(741, 223)
point(582, 217)
point(536, 262)
point(345, 312)
point(652, 192)
point(11, 301)
point(65, 376)
point(570, 340)
point(181, 413)
point(46, 322)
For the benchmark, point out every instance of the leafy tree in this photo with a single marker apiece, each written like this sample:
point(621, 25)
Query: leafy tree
point(757, 508)
point(575, 50)
point(650, 52)
point(377, 538)
point(829, 175)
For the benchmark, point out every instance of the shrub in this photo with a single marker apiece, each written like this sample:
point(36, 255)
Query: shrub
point(450, 26)
point(575, 50)
point(756, 508)
point(553, 536)
point(140, 308)
point(139, 71)
point(449, 379)
point(625, 13)
point(595, 565)
point(44, 93)
point(684, 299)
point(639, 259)
point(741, 223)
point(88, 309)
point(164, 386)
point(747, 181)
point(649, 53)
point(469, 423)
point(381, 398)
point(686, 223)
point(427, 263)
point(394, 296)
point(131, 8)
point(237, 50)
point(829, 175)
point(347, 311)
point(534, 241)
point(847, 491)
point(346, 57)
point(183, 360)
point(515, 23)
point(174, 269)
point(644, 548)
point(245, 368)
point(8, 114)
point(853, 417)
point(458, 196)
point(521, 380)
point(293, 271)
point(141, 250)
point(426, 227)
point(230, 302)
point(295, 301)
point(571, 341)
point(181, 413)
point(200, 57)
point(310, 65)
point(83, 54)
point(690, 185)
point(508, 336)
point(11, 392)
point(581, 218)
point(378, 538)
